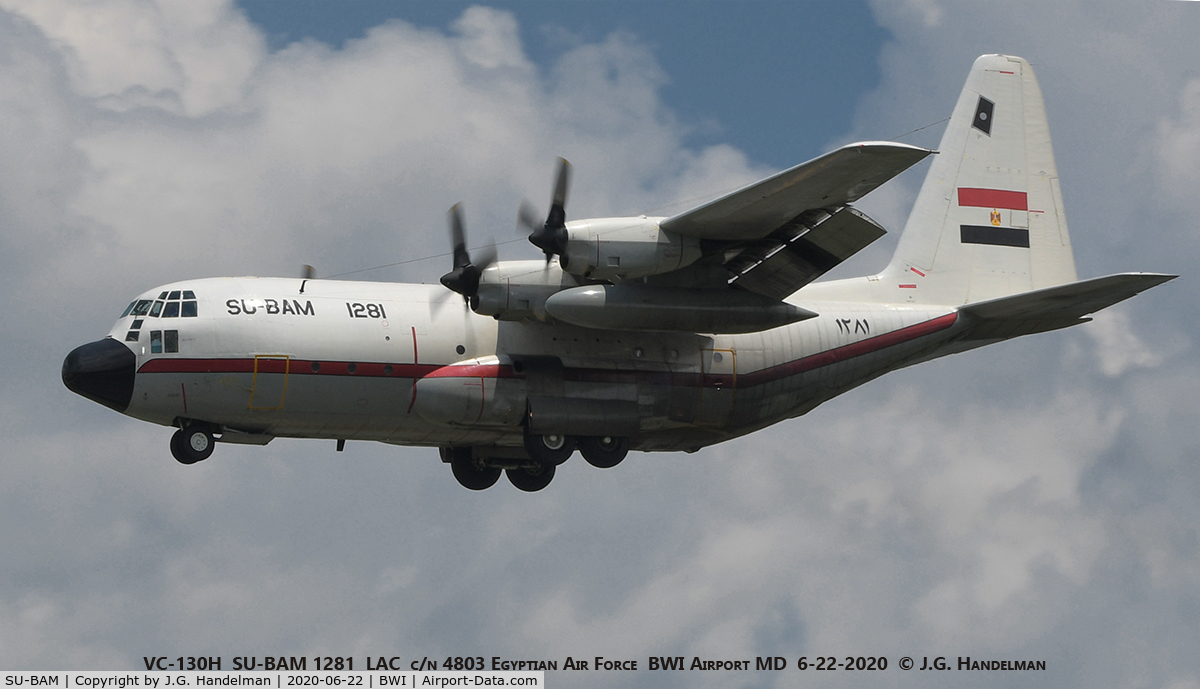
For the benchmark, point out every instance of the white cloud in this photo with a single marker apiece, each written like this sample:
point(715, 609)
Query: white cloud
point(187, 57)
point(1178, 147)
point(1118, 348)
point(1010, 501)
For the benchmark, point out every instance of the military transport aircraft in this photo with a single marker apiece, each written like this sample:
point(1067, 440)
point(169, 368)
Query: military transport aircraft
point(648, 333)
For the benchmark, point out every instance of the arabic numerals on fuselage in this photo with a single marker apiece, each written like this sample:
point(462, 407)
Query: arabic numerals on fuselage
point(360, 310)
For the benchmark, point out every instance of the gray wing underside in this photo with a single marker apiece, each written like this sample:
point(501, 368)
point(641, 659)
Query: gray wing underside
point(781, 233)
point(832, 180)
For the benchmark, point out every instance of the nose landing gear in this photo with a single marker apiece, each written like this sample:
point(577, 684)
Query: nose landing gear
point(192, 443)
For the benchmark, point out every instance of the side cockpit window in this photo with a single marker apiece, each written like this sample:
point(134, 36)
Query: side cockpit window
point(164, 341)
point(141, 307)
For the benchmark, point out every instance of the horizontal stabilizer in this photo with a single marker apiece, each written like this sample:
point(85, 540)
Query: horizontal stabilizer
point(834, 179)
point(1055, 307)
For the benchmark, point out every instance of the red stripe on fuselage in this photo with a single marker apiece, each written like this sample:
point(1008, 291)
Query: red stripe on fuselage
point(474, 371)
point(298, 367)
point(838, 354)
point(595, 375)
point(993, 198)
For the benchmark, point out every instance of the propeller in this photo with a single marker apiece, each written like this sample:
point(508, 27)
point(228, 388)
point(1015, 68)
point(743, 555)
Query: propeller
point(464, 278)
point(551, 237)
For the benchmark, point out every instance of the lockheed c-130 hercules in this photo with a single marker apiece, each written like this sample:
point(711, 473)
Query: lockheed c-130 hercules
point(649, 333)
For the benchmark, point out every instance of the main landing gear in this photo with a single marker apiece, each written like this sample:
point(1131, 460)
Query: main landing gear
point(192, 443)
point(545, 453)
point(551, 449)
point(604, 452)
point(472, 476)
point(531, 479)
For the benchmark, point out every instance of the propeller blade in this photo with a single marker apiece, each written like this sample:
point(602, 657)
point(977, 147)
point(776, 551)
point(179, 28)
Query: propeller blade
point(307, 272)
point(464, 277)
point(487, 257)
point(437, 304)
point(558, 214)
point(527, 216)
point(551, 237)
point(458, 236)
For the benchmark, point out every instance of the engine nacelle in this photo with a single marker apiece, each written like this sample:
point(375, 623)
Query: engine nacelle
point(634, 306)
point(615, 249)
point(517, 290)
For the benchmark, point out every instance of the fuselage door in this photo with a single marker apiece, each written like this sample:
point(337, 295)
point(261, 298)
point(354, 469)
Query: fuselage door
point(270, 381)
point(717, 387)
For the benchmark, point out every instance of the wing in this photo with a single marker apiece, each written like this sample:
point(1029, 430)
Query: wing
point(801, 251)
point(777, 235)
point(834, 179)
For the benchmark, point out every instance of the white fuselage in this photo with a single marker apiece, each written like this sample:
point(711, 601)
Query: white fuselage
point(410, 364)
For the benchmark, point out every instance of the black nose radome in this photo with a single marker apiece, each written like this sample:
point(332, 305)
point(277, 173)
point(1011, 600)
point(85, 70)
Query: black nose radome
point(102, 372)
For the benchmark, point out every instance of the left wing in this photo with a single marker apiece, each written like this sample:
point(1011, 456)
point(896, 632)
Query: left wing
point(834, 179)
point(802, 251)
point(779, 234)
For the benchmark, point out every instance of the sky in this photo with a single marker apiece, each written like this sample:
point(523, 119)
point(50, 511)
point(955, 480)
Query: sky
point(1037, 499)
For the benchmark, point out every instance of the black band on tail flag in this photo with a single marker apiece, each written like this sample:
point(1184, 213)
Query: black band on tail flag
point(996, 236)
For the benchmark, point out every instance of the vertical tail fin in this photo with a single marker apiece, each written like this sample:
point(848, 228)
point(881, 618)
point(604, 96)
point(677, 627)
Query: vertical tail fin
point(989, 220)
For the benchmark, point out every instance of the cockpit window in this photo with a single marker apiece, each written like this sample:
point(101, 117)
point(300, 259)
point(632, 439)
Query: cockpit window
point(173, 304)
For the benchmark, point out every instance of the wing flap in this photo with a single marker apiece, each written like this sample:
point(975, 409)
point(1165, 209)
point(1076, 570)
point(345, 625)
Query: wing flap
point(802, 250)
point(831, 180)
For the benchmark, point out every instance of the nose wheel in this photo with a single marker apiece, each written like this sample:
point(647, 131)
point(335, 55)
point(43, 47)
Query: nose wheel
point(192, 444)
